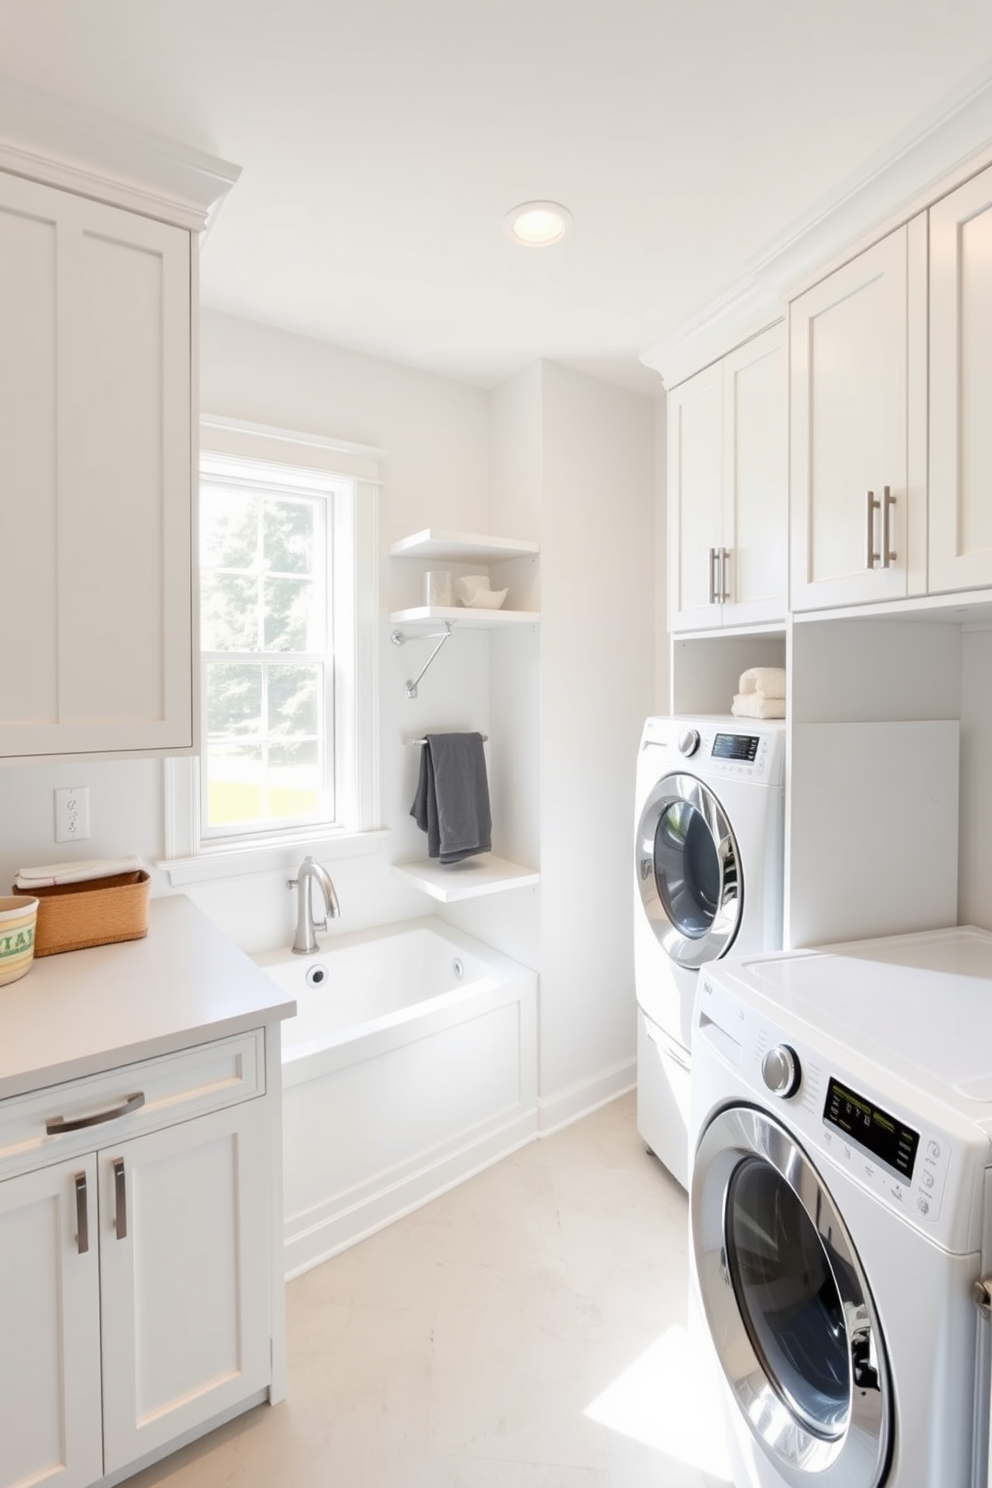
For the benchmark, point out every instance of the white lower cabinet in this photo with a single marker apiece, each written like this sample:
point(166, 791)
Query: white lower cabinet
point(50, 1425)
point(184, 1291)
point(134, 1284)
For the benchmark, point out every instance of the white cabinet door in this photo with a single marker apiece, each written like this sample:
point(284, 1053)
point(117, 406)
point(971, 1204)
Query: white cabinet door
point(185, 1240)
point(50, 1328)
point(95, 476)
point(961, 388)
point(755, 562)
point(695, 499)
point(858, 390)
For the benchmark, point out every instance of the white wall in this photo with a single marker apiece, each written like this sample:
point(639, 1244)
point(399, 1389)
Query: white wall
point(437, 473)
point(574, 465)
point(598, 680)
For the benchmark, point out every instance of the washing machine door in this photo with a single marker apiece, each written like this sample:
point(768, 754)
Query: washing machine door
point(688, 871)
point(788, 1305)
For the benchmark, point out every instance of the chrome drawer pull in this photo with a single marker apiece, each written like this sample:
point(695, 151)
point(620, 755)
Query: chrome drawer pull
point(82, 1215)
point(57, 1124)
point(120, 1198)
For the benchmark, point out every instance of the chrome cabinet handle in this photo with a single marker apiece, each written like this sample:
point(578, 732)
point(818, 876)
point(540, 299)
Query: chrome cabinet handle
point(57, 1124)
point(888, 502)
point(713, 562)
point(120, 1198)
point(82, 1215)
point(871, 556)
point(724, 566)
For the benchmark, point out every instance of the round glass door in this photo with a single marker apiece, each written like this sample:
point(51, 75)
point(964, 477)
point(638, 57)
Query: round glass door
point(788, 1298)
point(788, 1305)
point(688, 871)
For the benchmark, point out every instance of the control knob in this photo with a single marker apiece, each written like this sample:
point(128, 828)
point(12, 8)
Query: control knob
point(780, 1071)
point(688, 741)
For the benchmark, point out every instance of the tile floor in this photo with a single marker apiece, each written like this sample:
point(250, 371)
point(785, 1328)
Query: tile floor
point(526, 1330)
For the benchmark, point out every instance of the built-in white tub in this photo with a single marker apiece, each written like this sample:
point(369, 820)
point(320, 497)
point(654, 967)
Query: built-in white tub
point(411, 1063)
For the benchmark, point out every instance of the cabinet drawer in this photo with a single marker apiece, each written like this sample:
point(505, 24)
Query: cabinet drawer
point(174, 1087)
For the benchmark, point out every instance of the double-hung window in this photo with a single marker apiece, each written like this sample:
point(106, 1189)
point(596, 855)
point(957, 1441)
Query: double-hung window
point(287, 652)
point(267, 641)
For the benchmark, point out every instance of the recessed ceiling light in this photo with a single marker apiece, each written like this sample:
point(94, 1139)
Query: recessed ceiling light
point(537, 224)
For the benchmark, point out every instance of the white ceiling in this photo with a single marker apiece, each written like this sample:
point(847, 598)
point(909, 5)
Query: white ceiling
point(382, 142)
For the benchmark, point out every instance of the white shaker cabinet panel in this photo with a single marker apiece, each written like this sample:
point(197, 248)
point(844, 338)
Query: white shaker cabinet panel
point(961, 388)
point(95, 476)
point(185, 1287)
point(857, 406)
point(695, 498)
point(50, 1328)
point(755, 555)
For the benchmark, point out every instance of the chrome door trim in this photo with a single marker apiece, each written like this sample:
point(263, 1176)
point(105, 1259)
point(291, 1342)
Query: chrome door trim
point(686, 950)
point(858, 1455)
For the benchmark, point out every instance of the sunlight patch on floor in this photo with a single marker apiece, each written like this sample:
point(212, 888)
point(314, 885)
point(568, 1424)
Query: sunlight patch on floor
point(664, 1401)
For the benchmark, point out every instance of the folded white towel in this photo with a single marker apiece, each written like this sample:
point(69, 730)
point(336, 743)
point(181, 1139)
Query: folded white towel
point(753, 705)
point(63, 873)
point(765, 681)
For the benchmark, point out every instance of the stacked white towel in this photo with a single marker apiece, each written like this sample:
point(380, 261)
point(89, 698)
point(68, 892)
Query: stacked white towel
point(762, 693)
point(79, 872)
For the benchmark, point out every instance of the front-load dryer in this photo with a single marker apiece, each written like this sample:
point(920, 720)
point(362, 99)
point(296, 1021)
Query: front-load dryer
point(708, 847)
point(842, 1175)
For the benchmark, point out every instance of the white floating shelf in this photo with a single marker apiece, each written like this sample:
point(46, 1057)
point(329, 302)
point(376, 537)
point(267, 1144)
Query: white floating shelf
point(466, 619)
point(460, 547)
point(469, 879)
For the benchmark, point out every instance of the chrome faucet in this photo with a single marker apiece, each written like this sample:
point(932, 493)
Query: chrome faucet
point(306, 940)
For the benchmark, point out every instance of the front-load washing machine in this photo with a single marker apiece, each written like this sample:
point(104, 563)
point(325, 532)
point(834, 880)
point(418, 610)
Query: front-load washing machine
point(841, 1183)
point(709, 825)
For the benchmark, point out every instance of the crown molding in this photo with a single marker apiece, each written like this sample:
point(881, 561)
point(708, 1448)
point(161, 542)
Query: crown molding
point(940, 150)
point(62, 145)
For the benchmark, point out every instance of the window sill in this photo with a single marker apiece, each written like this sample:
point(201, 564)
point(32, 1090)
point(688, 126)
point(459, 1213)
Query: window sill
point(239, 862)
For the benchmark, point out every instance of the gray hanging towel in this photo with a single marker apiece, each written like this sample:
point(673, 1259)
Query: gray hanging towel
point(452, 800)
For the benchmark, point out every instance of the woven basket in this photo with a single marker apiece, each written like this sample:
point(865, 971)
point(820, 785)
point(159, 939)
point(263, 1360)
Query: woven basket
point(98, 911)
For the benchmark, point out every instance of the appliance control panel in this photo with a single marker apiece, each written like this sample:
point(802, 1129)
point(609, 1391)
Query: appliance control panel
point(736, 754)
point(905, 1164)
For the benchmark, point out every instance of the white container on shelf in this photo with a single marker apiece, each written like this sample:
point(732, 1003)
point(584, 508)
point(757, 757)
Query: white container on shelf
point(437, 588)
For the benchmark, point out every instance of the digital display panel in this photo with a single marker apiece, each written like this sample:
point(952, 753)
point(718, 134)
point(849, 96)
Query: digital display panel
point(735, 747)
point(887, 1138)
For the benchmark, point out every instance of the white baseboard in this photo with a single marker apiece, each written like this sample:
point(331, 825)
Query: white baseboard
point(561, 1109)
point(343, 1225)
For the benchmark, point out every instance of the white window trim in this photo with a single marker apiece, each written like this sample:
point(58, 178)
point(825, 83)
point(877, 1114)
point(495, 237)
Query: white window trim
point(188, 860)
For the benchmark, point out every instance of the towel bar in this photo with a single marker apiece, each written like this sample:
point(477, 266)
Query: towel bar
point(485, 740)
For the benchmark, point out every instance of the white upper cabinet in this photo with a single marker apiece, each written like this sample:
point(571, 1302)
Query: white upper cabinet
point(695, 499)
point(755, 561)
point(961, 388)
point(727, 489)
point(95, 477)
point(858, 428)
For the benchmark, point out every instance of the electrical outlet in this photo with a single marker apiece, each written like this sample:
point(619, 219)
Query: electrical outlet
point(72, 814)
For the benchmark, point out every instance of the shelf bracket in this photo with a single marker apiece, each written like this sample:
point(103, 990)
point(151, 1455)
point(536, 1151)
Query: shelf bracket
point(399, 639)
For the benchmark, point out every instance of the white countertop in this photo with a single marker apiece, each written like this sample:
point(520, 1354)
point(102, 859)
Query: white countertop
point(85, 1011)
